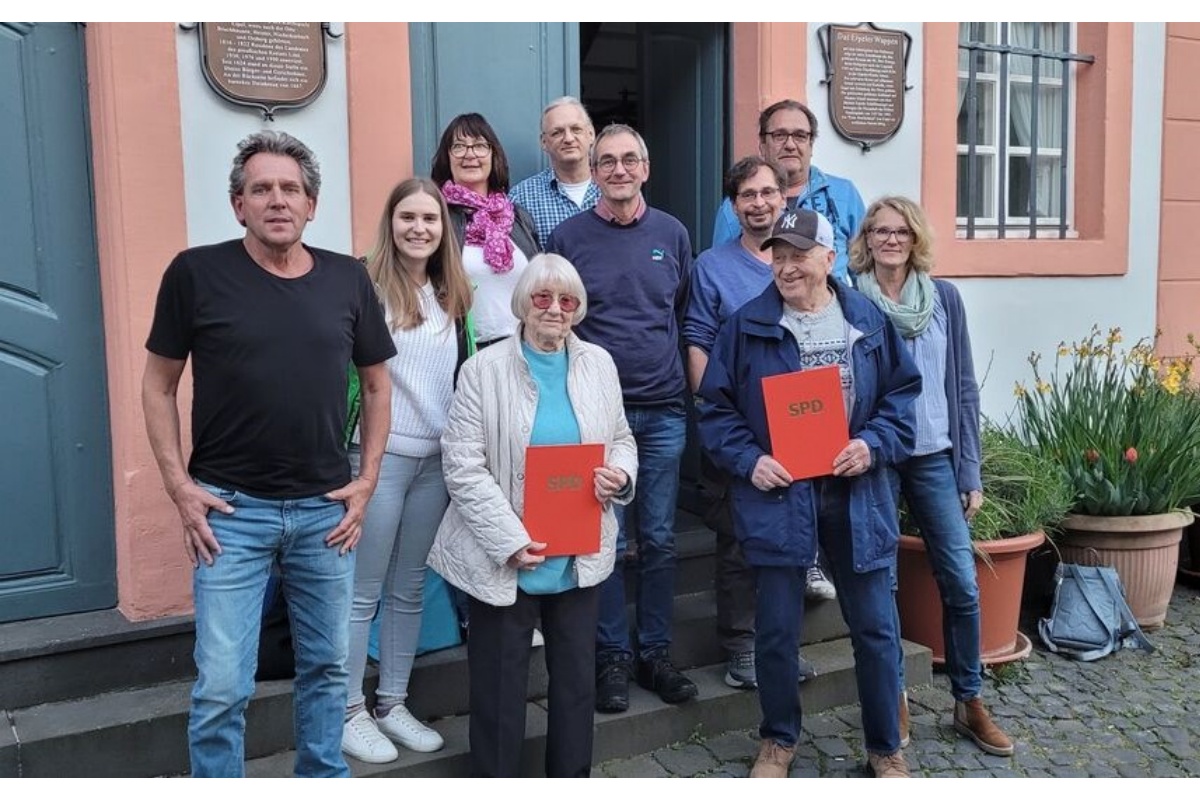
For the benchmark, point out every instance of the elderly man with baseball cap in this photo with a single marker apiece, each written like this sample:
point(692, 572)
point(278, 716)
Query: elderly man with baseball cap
point(804, 320)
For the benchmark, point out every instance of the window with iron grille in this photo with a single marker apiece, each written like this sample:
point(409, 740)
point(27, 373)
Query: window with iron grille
point(1015, 127)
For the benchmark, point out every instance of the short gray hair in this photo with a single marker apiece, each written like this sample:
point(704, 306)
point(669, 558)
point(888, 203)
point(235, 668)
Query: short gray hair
point(568, 100)
point(280, 144)
point(548, 270)
point(614, 128)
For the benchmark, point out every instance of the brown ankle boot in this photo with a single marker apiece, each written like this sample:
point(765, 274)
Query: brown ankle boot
point(893, 766)
point(774, 760)
point(904, 736)
point(972, 720)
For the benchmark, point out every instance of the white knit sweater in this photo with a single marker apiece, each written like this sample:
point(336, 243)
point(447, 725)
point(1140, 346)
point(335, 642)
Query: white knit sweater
point(422, 374)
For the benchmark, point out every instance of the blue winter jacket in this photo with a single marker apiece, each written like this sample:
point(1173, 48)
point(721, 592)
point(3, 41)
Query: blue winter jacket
point(778, 527)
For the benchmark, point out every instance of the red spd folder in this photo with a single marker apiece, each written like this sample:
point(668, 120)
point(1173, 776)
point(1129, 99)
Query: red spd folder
point(806, 418)
point(561, 508)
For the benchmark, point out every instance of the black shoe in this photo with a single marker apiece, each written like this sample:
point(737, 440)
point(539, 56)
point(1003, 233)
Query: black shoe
point(660, 676)
point(612, 686)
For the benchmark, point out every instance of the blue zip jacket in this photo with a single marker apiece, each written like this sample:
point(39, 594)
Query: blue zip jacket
point(834, 197)
point(778, 527)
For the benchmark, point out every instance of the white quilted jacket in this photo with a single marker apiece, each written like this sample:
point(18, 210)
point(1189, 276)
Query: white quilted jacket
point(483, 459)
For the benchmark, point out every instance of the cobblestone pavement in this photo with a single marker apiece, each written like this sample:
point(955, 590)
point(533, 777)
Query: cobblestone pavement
point(1131, 714)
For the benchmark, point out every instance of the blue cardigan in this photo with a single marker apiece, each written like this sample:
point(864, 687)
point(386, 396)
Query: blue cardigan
point(778, 527)
point(962, 392)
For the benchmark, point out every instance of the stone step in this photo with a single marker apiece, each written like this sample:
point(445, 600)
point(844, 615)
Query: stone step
point(438, 687)
point(80, 655)
point(648, 725)
point(141, 731)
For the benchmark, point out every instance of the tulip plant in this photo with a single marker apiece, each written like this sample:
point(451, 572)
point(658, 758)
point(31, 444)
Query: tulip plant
point(1122, 422)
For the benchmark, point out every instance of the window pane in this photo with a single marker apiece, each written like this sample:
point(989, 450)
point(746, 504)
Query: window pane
point(1049, 112)
point(1049, 39)
point(1037, 194)
point(985, 114)
point(978, 32)
point(983, 193)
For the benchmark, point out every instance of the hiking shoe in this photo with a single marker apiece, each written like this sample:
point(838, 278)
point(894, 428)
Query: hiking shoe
point(893, 766)
point(660, 676)
point(971, 719)
point(362, 740)
point(403, 728)
point(739, 671)
point(807, 670)
point(904, 735)
point(612, 686)
point(817, 586)
point(773, 761)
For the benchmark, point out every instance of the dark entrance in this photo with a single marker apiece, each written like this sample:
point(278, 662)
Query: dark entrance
point(667, 80)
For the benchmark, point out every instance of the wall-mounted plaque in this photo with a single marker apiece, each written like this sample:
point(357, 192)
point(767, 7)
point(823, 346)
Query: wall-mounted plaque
point(865, 70)
point(266, 65)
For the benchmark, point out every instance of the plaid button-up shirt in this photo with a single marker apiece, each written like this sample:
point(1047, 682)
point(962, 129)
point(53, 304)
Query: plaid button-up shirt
point(547, 203)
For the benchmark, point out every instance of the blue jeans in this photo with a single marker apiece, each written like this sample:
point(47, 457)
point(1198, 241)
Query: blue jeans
point(660, 432)
point(931, 492)
point(318, 584)
point(401, 520)
point(870, 614)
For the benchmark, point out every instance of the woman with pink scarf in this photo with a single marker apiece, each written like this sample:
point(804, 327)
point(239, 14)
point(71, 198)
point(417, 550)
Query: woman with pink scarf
point(497, 237)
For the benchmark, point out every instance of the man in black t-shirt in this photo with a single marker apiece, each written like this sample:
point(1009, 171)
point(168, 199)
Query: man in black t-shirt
point(270, 325)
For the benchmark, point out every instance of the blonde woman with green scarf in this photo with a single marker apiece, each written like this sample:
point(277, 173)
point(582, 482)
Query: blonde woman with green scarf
point(892, 256)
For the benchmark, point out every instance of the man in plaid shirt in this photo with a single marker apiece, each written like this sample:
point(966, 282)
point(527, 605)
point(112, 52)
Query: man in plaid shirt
point(566, 187)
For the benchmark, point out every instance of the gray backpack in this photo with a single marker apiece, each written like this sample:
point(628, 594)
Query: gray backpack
point(1090, 618)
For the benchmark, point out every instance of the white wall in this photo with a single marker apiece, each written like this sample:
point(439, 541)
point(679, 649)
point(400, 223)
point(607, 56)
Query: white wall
point(1012, 317)
point(212, 127)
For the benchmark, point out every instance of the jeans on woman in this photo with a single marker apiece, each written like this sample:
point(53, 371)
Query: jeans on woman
point(931, 492)
point(398, 529)
point(317, 583)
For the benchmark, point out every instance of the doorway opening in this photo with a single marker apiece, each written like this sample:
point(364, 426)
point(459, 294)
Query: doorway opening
point(668, 81)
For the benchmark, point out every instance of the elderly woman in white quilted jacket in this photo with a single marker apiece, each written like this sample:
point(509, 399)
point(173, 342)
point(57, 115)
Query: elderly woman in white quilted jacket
point(543, 386)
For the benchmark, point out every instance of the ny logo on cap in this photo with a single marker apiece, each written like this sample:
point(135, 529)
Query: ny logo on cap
point(788, 221)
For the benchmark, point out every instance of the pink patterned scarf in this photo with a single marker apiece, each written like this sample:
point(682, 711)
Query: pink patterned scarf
point(490, 226)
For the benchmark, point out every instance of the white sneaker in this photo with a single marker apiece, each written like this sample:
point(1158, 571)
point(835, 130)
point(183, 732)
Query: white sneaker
point(817, 586)
point(538, 640)
point(362, 740)
point(403, 728)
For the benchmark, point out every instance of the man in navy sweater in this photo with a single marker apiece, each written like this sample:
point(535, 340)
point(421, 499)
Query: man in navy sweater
point(635, 262)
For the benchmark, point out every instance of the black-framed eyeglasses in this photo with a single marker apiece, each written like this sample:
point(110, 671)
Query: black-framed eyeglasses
point(545, 298)
point(607, 164)
point(750, 195)
point(477, 149)
point(902, 235)
point(780, 136)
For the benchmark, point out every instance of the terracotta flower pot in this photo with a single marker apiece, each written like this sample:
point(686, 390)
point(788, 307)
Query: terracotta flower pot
point(1144, 550)
point(1000, 586)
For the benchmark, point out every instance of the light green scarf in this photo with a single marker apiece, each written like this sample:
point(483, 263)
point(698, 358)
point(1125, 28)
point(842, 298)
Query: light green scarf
point(912, 314)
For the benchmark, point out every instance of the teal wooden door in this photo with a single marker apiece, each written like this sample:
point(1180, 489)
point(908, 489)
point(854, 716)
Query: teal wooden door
point(505, 71)
point(56, 518)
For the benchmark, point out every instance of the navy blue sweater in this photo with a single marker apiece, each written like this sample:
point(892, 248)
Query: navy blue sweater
point(637, 279)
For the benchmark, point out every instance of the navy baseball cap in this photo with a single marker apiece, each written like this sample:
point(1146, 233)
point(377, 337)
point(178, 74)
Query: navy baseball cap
point(801, 228)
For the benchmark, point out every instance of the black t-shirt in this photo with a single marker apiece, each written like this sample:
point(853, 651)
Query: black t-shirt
point(269, 364)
